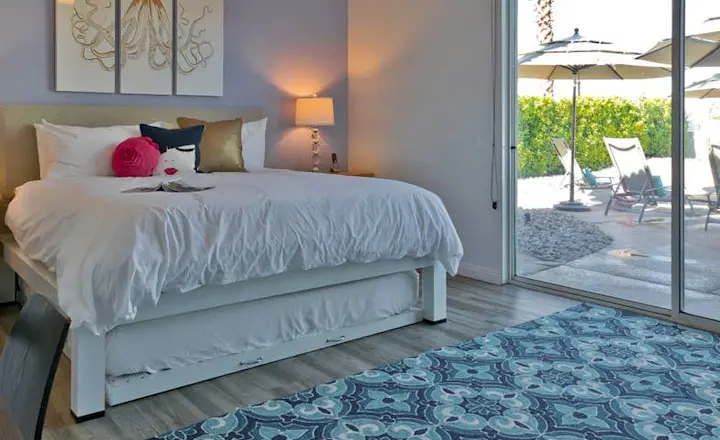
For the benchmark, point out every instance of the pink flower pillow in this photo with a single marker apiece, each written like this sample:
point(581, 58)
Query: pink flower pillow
point(136, 157)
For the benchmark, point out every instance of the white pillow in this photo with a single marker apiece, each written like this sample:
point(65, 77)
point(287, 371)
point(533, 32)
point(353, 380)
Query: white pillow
point(70, 151)
point(46, 149)
point(177, 162)
point(253, 144)
point(67, 151)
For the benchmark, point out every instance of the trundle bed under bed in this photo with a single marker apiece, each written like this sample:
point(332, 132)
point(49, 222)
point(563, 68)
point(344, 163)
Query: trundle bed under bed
point(307, 261)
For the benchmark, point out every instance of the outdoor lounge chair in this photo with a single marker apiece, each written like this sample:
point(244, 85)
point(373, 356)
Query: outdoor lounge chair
point(581, 181)
point(713, 205)
point(636, 184)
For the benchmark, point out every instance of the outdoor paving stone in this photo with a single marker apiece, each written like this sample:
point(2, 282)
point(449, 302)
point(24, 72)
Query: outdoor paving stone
point(626, 288)
point(699, 275)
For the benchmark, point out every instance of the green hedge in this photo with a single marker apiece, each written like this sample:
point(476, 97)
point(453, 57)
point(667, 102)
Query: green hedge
point(542, 119)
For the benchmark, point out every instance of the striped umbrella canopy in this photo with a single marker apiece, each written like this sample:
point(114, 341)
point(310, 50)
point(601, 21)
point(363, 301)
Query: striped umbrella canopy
point(709, 30)
point(702, 47)
point(580, 58)
point(707, 88)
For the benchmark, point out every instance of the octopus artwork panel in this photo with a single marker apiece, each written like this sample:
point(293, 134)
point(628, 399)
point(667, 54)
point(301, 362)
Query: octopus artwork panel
point(146, 47)
point(199, 56)
point(85, 46)
point(98, 41)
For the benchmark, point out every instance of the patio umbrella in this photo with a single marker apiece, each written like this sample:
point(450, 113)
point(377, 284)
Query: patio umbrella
point(577, 58)
point(707, 88)
point(702, 48)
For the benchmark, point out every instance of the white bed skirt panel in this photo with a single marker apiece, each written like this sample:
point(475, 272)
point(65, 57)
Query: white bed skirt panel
point(183, 340)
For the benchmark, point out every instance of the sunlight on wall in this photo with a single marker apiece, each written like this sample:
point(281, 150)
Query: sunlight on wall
point(301, 77)
point(294, 147)
point(291, 145)
point(383, 48)
point(299, 71)
point(382, 41)
point(301, 80)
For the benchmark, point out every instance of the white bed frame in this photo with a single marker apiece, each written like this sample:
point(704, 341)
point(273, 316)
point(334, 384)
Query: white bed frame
point(91, 389)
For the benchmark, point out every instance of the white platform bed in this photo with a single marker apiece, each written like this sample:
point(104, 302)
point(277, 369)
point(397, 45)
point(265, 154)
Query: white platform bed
point(390, 294)
point(92, 388)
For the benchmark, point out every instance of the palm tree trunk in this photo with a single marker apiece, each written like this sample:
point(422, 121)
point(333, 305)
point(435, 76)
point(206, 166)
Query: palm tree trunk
point(544, 31)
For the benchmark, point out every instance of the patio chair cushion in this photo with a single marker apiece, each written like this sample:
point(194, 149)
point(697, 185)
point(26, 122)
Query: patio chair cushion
point(659, 187)
point(590, 177)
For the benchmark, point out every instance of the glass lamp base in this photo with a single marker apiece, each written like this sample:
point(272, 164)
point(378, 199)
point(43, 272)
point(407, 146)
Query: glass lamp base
point(316, 155)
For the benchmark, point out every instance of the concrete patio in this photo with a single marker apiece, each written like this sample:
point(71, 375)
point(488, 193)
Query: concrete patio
point(637, 265)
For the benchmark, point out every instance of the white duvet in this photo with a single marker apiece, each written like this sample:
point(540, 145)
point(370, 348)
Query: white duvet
point(113, 251)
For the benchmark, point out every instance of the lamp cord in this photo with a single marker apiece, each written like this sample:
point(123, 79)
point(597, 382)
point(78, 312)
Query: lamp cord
point(495, 163)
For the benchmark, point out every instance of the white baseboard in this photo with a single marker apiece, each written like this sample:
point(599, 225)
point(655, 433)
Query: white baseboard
point(480, 273)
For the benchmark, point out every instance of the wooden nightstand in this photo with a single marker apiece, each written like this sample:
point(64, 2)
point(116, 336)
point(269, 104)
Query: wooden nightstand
point(348, 173)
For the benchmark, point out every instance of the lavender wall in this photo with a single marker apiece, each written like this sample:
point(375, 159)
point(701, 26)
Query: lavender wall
point(274, 50)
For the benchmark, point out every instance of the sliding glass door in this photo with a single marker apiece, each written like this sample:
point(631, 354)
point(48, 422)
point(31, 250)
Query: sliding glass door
point(616, 177)
point(701, 233)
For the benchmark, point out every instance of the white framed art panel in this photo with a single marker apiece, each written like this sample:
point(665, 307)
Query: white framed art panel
point(85, 46)
point(146, 47)
point(200, 39)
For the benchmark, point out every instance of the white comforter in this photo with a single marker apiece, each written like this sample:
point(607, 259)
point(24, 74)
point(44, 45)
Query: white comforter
point(113, 251)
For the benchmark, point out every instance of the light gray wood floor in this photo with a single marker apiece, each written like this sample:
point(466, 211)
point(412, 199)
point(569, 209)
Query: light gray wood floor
point(475, 309)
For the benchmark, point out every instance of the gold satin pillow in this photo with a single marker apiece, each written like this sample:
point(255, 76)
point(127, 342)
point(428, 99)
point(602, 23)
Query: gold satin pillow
point(221, 145)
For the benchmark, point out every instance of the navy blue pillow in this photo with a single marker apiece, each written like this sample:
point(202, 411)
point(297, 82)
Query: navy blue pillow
point(168, 139)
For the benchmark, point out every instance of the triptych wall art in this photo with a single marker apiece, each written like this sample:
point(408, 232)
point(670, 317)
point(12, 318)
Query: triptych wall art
point(141, 41)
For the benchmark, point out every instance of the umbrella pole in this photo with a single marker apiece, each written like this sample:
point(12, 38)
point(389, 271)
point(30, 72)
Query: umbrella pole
point(572, 205)
point(573, 140)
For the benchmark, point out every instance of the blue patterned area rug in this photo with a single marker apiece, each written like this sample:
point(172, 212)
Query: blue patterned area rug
point(587, 373)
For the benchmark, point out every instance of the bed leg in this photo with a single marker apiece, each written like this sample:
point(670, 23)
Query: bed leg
point(87, 383)
point(434, 294)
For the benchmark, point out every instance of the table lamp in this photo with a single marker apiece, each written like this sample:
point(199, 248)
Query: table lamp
point(315, 112)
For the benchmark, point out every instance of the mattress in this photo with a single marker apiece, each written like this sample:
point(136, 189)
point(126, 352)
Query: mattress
point(113, 251)
point(182, 340)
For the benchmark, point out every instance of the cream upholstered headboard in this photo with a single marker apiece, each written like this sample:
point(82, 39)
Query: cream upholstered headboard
point(18, 148)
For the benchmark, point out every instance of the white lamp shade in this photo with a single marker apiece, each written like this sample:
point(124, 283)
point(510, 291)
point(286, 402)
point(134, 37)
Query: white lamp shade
point(315, 112)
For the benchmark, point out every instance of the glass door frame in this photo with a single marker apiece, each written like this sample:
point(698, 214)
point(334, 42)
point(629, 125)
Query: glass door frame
point(507, 46)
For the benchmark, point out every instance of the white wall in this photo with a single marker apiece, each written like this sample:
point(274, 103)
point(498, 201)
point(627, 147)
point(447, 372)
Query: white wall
point(421, 109)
